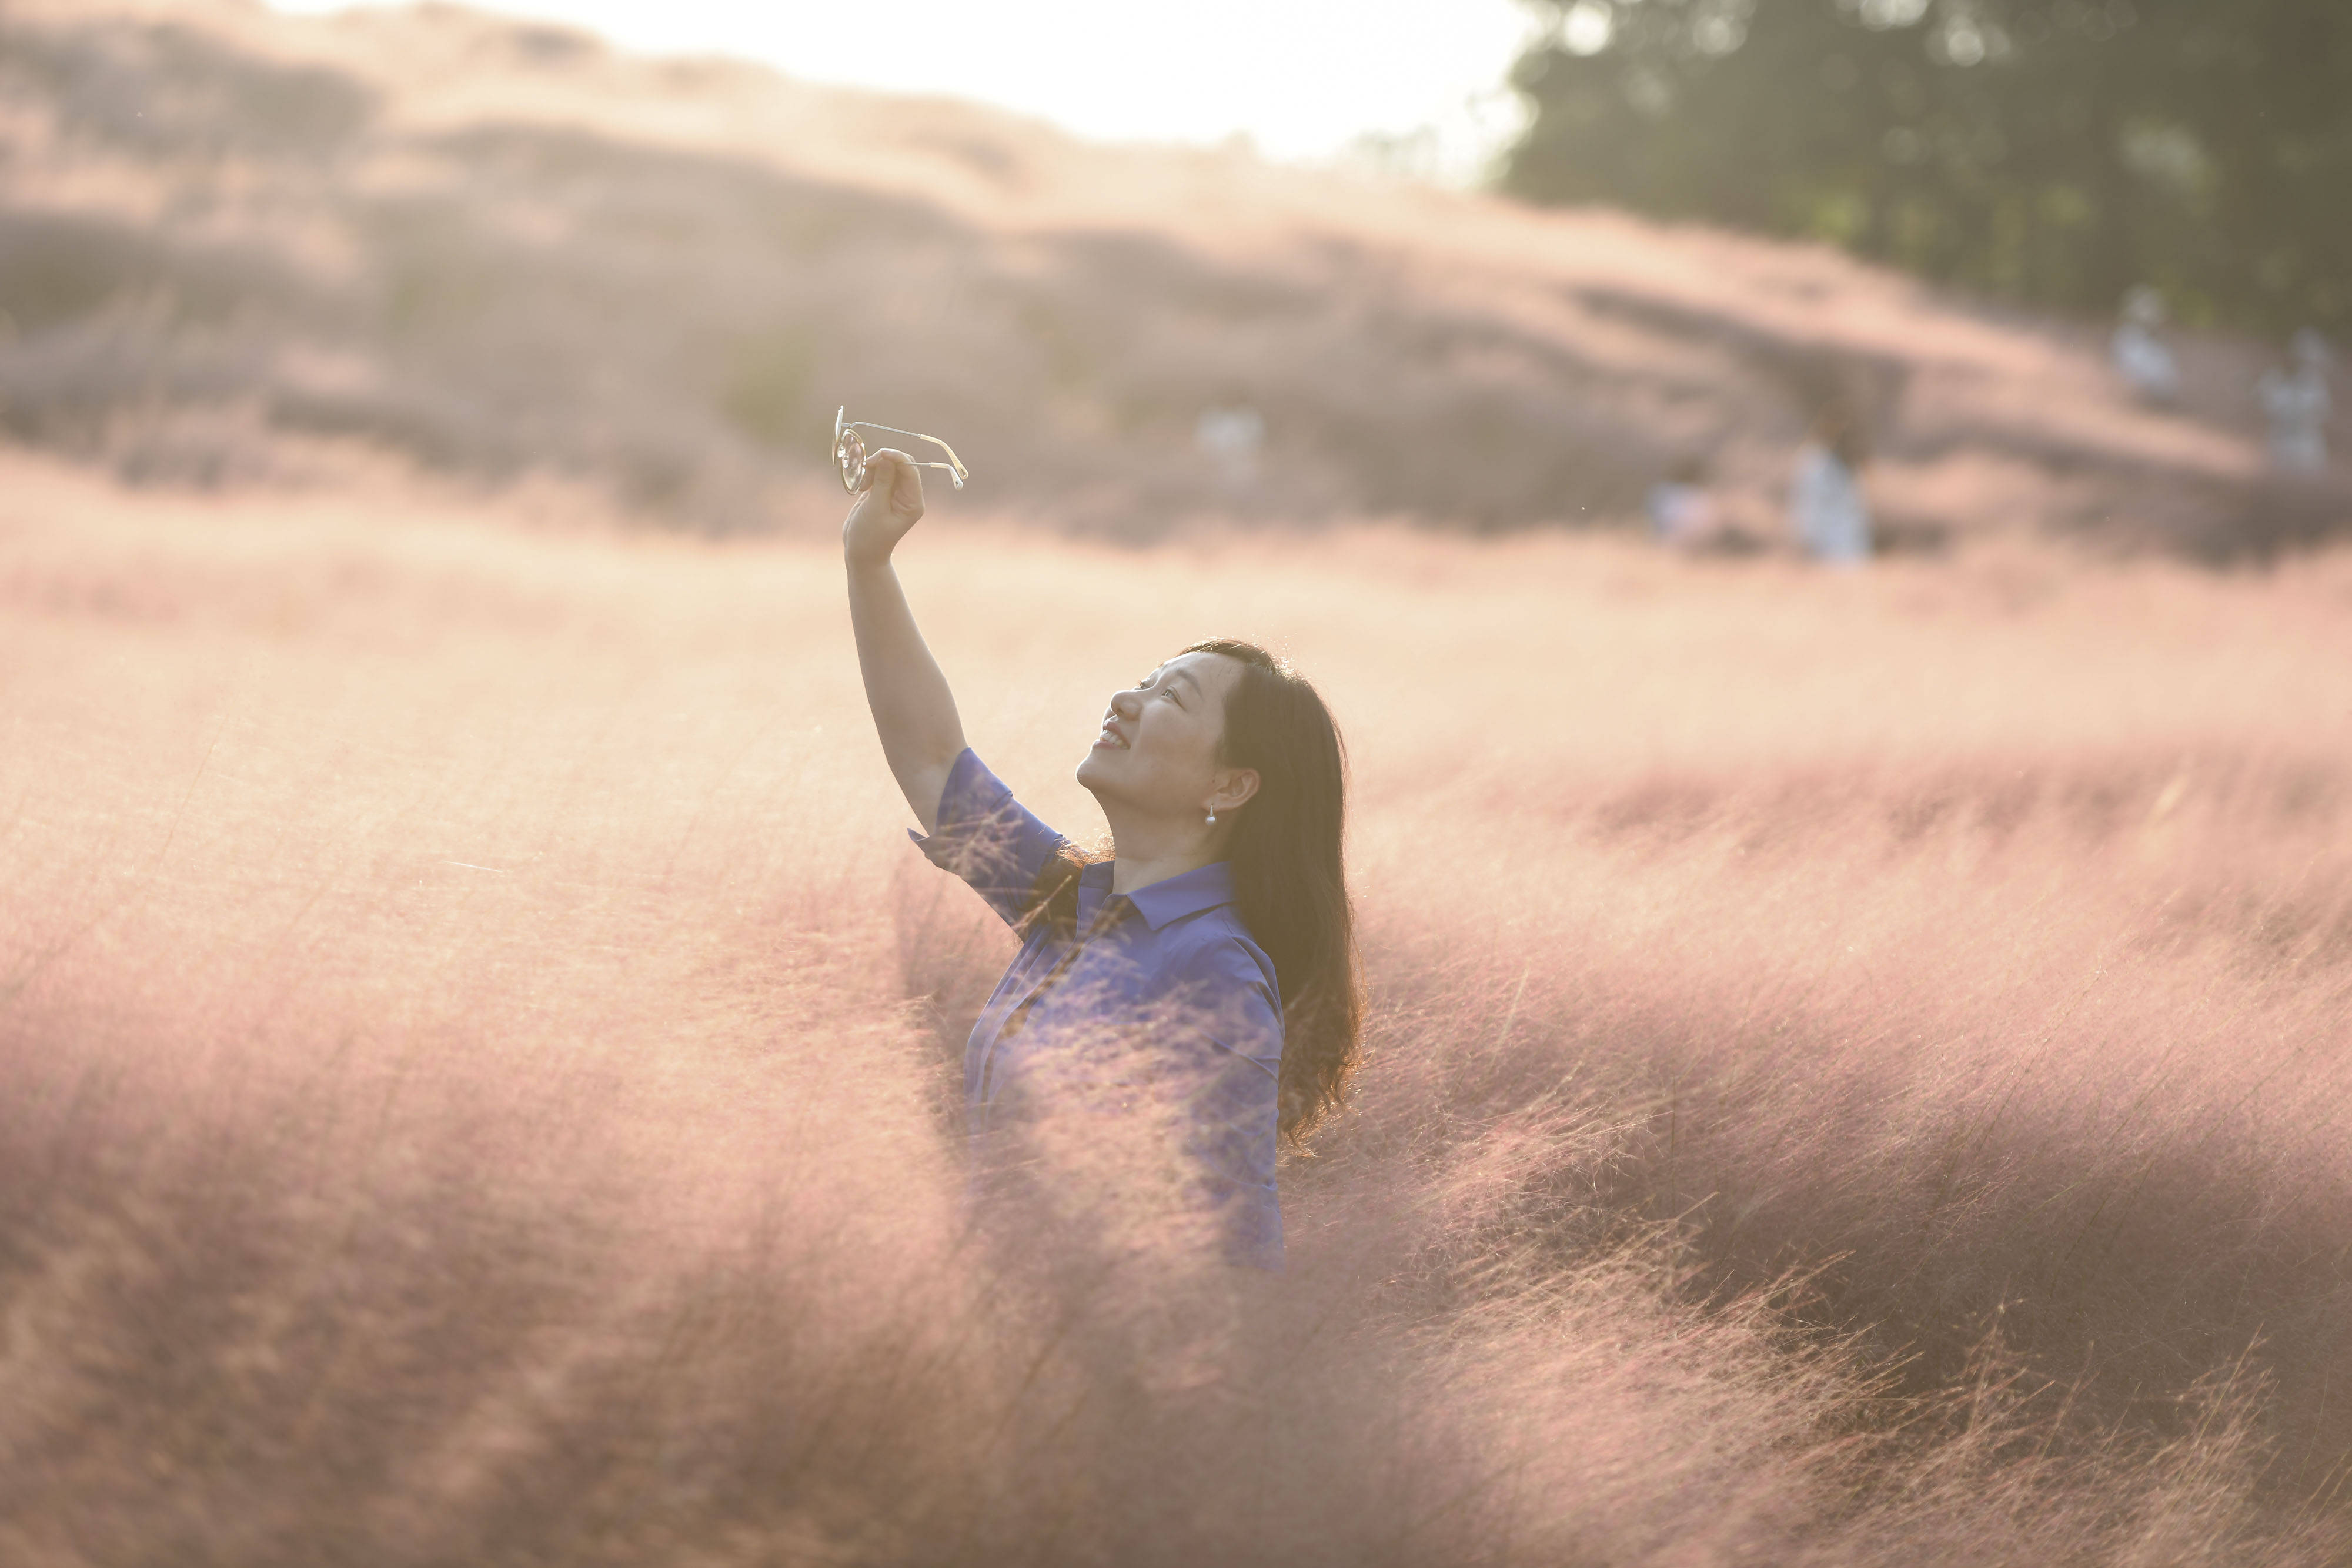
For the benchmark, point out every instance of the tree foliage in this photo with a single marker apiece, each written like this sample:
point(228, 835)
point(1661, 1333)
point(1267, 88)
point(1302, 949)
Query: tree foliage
point(2053, 150)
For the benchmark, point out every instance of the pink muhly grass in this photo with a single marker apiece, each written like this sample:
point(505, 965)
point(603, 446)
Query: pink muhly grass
point(476, 1066)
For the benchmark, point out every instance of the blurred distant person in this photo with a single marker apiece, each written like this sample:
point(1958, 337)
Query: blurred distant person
point(1231, 436)
point(2298, 403)
point(1825, 501)
point(1215, 944)
point(1684, 514)
point(2141, 354)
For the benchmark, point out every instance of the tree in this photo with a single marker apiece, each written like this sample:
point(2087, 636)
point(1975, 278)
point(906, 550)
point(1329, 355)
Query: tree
point(2053, 150)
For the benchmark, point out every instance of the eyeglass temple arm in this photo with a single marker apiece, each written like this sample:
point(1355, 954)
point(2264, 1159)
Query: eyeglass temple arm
point(954, 465)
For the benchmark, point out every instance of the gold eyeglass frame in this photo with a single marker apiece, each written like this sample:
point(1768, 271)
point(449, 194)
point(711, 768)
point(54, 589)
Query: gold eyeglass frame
point(850, 451)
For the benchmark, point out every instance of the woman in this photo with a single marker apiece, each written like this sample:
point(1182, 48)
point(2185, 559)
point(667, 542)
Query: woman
point(1219, 934)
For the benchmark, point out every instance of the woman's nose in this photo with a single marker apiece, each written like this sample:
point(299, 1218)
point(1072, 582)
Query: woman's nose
point(1127, 704)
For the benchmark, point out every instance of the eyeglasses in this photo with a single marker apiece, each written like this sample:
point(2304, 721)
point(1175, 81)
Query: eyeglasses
point(850, 451)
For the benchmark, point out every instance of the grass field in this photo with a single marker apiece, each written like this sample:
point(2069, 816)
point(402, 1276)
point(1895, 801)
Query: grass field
point(1858, 1074)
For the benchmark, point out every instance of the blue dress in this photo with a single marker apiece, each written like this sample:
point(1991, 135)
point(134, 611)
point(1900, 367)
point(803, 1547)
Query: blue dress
point(1169, 970)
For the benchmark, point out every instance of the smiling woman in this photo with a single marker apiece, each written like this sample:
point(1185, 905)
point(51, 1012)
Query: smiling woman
point(1214, 949)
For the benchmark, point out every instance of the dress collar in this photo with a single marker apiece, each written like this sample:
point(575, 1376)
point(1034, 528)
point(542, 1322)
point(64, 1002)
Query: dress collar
point(1171, 898)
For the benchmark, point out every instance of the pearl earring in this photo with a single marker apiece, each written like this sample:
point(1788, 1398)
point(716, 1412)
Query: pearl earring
point(1212, 816)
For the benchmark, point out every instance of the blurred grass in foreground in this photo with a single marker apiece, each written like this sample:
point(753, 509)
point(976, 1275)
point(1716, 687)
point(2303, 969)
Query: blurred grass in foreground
point(1858, 1073)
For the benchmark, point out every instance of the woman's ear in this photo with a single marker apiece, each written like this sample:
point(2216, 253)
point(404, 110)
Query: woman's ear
point(1235, 786)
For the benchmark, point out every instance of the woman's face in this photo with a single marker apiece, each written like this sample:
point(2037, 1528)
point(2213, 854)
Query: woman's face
point(1157, 752)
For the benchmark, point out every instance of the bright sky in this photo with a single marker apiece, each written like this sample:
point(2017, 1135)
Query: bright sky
point(1303, 79)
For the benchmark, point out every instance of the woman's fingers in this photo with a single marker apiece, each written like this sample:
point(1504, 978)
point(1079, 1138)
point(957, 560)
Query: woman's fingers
point(888, 465)
point(882, 468)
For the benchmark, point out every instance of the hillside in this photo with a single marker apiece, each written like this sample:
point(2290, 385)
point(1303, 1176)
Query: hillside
point(234, 246)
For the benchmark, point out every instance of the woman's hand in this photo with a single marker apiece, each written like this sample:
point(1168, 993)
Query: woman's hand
point(914, 712)
point(889, 502)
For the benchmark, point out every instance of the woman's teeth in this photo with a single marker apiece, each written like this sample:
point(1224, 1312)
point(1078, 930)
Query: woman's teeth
point(1111, 736)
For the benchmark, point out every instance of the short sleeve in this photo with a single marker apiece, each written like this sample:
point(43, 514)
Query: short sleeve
point(988, 838)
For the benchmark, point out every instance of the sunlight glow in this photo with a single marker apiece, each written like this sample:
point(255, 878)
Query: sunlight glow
point(1587, 28)
point(1302, 80)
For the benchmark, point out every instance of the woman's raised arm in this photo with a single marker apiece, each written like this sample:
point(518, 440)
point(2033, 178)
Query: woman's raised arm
point(914, 712)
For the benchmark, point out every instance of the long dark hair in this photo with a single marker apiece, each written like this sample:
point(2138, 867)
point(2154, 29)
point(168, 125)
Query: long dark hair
point(1290, 886)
